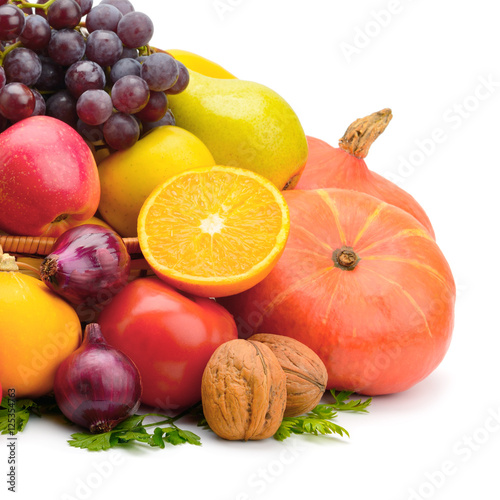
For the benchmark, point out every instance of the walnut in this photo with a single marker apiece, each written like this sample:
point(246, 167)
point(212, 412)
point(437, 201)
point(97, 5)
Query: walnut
point(243, 391)
point(306, 374)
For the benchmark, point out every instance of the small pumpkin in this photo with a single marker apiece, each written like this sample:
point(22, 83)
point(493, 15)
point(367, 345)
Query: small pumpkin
point(345, 167)
point(38, 330)
point(363, 284)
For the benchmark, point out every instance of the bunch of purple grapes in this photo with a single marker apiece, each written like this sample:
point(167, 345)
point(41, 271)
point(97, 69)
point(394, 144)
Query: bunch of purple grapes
point(90, 67)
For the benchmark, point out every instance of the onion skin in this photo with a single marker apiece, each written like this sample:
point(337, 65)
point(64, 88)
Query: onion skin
point(89, 264)
point(97, 386)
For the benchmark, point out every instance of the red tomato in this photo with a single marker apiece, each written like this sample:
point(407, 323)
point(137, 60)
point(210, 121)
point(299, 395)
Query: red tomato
point(170, 336)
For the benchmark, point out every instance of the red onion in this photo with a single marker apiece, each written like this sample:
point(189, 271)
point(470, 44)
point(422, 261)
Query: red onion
point(89, 264)
point(97, 386)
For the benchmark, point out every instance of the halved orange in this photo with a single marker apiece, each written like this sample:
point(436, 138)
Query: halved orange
point(214, 231)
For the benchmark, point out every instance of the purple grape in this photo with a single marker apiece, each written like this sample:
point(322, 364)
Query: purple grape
point(39, 103)
point(130, 94)
point(124, 67)
point(41, 12)
point(27, 10)
point(16, 101)
point(103, 17)
point(12, 22)
point(22, 65)
point(3, 78)
point(64, 14)
point(135, 29)
point(62, 105)
point(66, 47)
point(160, 71)
point(168, 119)
point(52, 76)
point(84, 75)
point(155, 109)
point(85, 6)
point(129, 53)
point(104, 47)
point(182, 82)
point(93, 134)
point(36, 34)
point(124, 6)
point(121, 131)
point(94, 107)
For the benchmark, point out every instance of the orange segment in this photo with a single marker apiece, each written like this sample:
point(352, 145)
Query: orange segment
point(214, 231)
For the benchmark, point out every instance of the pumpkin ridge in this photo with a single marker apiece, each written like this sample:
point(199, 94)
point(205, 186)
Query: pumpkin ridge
point(413, 263)
point(417, 233)
point(292, 288)
point(335, 212)
point(405, 292)
point(332, 295)
point(315, 238)
point(309, 253)
point(369, 220)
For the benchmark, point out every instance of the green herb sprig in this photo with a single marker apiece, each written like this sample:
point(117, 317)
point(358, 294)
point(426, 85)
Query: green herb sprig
point(15, 413)
point(133, 429)
point(319, 421)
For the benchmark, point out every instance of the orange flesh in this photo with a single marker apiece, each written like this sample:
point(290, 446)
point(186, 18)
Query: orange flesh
point(213, 225)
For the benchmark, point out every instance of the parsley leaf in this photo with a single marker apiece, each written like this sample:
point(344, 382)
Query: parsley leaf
point(341, 403)
point(316, 422)
point(134, 429)
point(92, 442)
point(319, 421)
point(190, 437)
point(14, 414)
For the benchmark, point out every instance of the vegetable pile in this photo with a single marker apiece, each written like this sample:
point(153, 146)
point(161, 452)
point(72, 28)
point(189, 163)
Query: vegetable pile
point(226, 271)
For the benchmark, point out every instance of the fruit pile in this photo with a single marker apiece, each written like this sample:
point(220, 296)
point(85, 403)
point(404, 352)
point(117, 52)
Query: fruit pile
point(81, 71)
point(227, 258)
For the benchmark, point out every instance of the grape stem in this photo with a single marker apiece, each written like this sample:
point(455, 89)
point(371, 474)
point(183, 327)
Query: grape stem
point(7, 50)
point(45, 6)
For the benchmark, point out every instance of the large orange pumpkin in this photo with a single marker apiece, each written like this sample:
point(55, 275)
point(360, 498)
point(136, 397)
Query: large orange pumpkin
point(363, 284)
point(345, 167)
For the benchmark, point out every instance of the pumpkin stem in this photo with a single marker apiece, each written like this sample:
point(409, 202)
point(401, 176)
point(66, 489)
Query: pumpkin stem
point(345, 258)
point(7, 262)
point(361, 134)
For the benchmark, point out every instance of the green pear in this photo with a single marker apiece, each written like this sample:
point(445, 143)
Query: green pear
point(243, 124)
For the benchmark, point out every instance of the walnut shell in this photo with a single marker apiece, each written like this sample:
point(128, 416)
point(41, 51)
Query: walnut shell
point(243, 391)
point(306, 374)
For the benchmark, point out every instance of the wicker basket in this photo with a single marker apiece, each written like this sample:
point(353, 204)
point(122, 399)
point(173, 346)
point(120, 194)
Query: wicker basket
point(42, 245)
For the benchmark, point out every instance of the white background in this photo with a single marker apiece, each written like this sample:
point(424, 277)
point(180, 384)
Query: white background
point(428, 61)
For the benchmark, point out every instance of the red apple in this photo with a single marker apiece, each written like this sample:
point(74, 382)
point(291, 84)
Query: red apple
point(48, 178)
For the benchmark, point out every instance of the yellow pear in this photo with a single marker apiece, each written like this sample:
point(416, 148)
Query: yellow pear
point(243, 124)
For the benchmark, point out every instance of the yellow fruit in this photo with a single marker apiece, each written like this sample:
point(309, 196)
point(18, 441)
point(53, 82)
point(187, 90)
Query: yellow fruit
point(94, 220)
point(38, 330)
point(244, 124)
point(200, 64)
point(101, 154)
point(128, 176)
point(214, 231)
